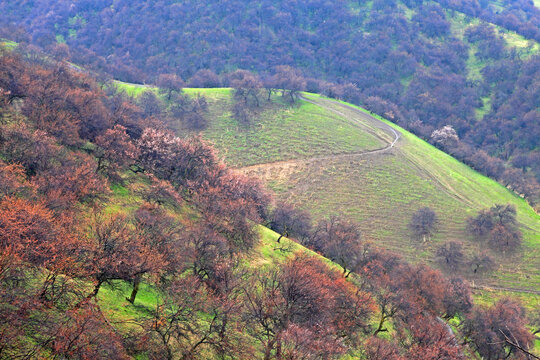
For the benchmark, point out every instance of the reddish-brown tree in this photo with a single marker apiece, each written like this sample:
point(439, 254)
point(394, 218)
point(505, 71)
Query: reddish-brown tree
point(289, 221)
point(174, 159)
point(303, 297)
point(115, 150)
point(339, 240)
point(115, 251)
point(379, 349)
point(491, 331)
point(35, 150)
point(13, 181)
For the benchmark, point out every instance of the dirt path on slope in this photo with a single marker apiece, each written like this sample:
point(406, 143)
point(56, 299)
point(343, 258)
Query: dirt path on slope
point(499, 288)
point(368, 118)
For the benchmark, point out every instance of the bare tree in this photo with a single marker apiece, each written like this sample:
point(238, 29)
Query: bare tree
point(423, 223)
point(450, 255)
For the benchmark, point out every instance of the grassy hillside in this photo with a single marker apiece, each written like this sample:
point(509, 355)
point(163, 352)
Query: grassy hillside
point(297, 150)
point(381, 190)
point(280, 131)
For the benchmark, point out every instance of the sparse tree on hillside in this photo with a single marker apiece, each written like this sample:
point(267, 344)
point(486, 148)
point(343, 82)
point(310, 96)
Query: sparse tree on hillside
point(504, 238)
point(150, 104)
point(242, 113)
point(170, 84)
point(114, 251)
point(289, 80)
point(160, 234)
point(423, 223)
point(450, 255)
point(499, 226)
point(339, 240)
point(246, 85)
point(289, 221)
point(481, 224)
point(481, 263)
point(194, 118)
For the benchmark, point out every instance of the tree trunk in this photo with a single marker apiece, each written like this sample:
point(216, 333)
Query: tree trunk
point(381, 324)
point(135, 290)
point(96, 289)
point(278, 347)
point(268, 349)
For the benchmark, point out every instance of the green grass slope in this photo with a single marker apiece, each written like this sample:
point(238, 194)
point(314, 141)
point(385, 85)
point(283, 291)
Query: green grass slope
point(280, 131)
point(381, 190)
point(300, 151)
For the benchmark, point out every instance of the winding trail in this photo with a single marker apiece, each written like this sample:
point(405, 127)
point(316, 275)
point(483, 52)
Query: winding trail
point(507, 289)
point(361, 115)
point(392, 137)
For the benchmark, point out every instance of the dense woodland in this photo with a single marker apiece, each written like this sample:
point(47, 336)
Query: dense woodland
point(400, 59)
point(64, 146)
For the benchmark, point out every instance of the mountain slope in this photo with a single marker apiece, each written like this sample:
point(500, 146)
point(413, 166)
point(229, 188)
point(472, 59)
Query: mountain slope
point(379, 190)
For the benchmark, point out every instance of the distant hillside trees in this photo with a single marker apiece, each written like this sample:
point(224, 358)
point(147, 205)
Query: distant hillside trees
point(482, 263)
point(423, 223)
point(204, 78)
point(289, 80)
point(497, 226)
point(450, 255)
point(170, 84)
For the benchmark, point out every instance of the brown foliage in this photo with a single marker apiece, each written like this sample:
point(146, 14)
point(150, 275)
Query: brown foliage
point(379, 349)
point(115, 150)
point(174, 159)
point(302, 307)
point(35, 150)
point(339, 240)
point(488, 328)
point(13, 181)
point(115, 251)
point(30, 232)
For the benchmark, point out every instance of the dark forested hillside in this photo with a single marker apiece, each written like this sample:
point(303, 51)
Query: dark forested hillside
point(423, 64)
